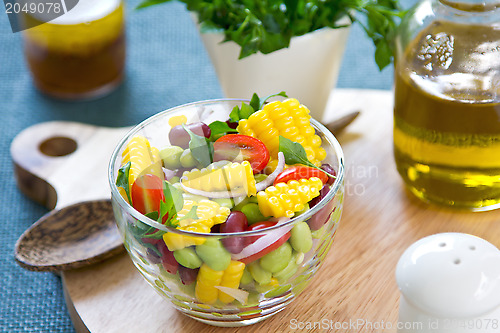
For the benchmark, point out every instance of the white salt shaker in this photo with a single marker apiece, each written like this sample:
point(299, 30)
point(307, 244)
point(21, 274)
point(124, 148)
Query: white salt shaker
point(449, 282)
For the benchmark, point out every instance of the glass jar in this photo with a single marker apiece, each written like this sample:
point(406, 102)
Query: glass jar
point(447, 102)
point(80, 54)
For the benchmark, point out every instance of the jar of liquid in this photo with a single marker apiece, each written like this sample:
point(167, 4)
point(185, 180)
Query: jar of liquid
point(447, 102)
point(80, 54)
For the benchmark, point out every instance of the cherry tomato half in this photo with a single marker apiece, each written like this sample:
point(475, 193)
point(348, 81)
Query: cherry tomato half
point(259, 254)
point(147, 193)
point(296, 172)
point(238, 146)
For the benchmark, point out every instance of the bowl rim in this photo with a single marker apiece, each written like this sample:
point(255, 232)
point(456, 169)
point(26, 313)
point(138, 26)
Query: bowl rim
point(116, 196)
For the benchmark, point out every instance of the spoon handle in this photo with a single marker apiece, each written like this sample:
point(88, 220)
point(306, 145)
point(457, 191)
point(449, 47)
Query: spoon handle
point(337, 125)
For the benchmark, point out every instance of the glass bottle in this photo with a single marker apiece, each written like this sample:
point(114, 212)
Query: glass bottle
point(80, 54)
point(447, 102)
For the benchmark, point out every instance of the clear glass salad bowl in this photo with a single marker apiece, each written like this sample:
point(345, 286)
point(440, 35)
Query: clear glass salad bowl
point(209, 295)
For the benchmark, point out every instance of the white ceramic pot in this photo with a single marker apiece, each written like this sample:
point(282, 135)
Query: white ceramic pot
point(306, 70)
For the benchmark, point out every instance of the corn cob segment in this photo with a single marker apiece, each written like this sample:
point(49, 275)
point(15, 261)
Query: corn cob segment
point(231, 279)
point(287, 199)
point(206, 281)
point(177, 241)
point(141, 156)
point(229, 177)
point(208, 212)
point(289, 119)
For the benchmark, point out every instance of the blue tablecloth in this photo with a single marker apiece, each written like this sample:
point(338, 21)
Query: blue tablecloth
point(166, 66)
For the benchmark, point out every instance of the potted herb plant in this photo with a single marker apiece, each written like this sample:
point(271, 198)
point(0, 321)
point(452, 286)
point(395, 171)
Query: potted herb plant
point(293, 45)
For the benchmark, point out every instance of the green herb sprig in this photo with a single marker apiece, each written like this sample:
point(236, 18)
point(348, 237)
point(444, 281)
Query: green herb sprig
point(266, 26)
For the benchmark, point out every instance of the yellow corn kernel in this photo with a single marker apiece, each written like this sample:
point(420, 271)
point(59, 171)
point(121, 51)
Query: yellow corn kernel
point(229, 177)
point(289, 119)
point(208, 212)
point(231, 279)
point(287, 199)
point(142, 157)
point(176, 241)
point(206, 281)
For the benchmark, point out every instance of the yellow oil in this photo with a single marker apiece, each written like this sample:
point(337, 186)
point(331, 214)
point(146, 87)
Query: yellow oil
point(447, 116)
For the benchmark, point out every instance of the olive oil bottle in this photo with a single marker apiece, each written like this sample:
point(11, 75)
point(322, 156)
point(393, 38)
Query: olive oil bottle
point(447, 106)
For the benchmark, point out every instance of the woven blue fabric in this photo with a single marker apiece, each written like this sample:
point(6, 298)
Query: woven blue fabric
point(166, 66)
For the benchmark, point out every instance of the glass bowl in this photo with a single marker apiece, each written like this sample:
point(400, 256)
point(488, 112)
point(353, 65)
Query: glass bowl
point(261, 292)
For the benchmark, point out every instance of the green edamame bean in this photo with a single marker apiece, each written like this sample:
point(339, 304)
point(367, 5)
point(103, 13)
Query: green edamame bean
point(303, 210)
point(225, 202)
point(240, 204)
point(187, 160)
point(246, 278)
point(301, 238)
point(213, 253)
point(260, 275)
point(174, 180)
point(187, 257)
point(171, 157)
point(287, 272)
point(259, 177)
point(252, 212)
point(253, 199)
point(278, 259)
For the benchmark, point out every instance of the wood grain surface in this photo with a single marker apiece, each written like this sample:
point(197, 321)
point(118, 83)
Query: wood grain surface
point(354, 290)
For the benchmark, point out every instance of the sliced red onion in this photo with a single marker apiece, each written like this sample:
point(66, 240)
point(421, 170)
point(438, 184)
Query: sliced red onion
point(264, 241)
point(270, 179)
point(238, 294)
point(240, 192)
point(168, 173)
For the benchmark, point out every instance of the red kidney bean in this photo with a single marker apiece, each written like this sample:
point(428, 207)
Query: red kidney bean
point(328, 168)
point(231, 124)
point(167, 258)
point(187, 275)
point(179, 137)
point(236, 222)
point(153, 257)
point(322, 216)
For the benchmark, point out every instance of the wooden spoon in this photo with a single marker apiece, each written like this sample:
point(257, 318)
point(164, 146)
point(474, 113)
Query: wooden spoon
point(72, 237)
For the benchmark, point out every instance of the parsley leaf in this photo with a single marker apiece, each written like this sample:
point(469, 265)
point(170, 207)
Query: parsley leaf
point(172, 204)
point(218, 128)
point(191, 214)
point(201, 148)
point(122, 179)
point(267, 26)
point(295, 154)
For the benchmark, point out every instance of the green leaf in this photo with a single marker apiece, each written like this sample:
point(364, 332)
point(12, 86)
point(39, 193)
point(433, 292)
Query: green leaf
point(148, 3)
point(295, 154)
point(246, 111)
point(152, 247)
point(282, 94)
point(201, 148)
point(156, 235)
point(219, 128)
point(243, 112)
point(191, 214)
point(267, 26)
point(152, 215)
point(122, 179)
point(255, 102)
point(172, 204)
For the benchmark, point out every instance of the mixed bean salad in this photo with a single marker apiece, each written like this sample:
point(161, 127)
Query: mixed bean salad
point(260, 168)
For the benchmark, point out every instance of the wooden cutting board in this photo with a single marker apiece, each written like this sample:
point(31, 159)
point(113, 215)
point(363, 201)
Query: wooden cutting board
point(354, 290)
